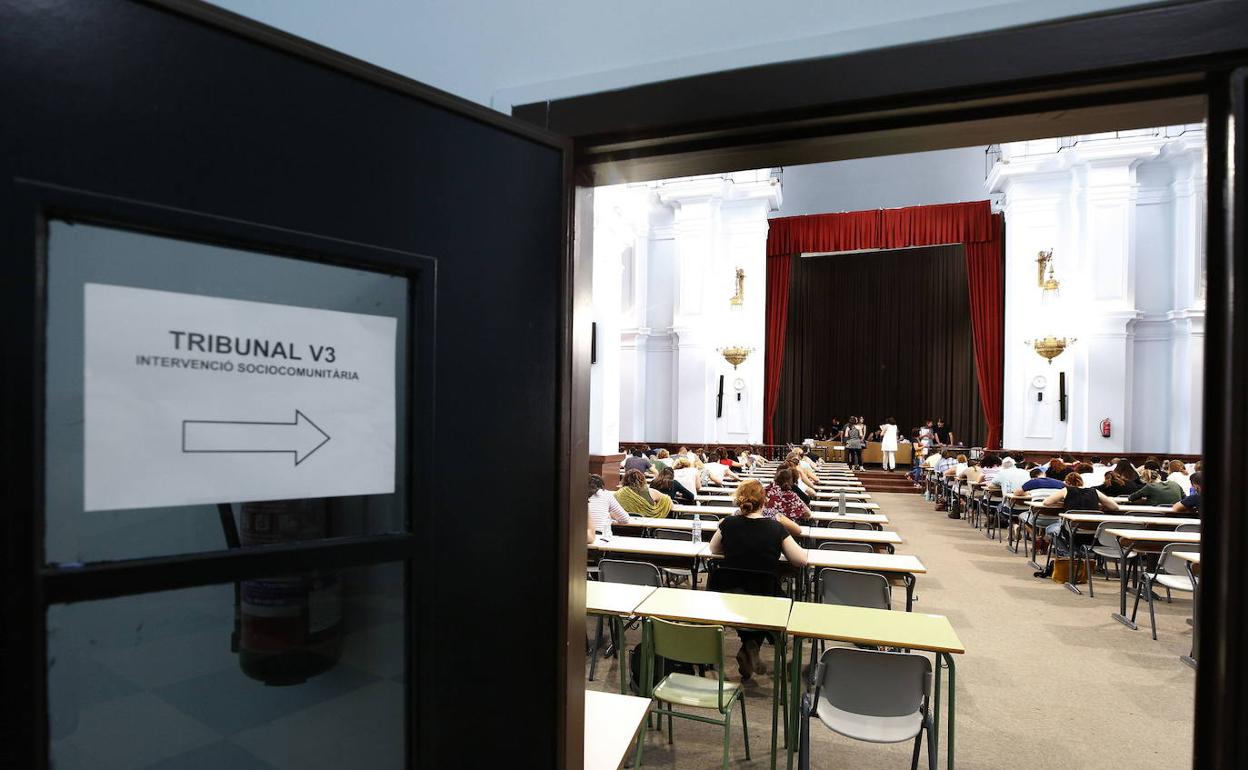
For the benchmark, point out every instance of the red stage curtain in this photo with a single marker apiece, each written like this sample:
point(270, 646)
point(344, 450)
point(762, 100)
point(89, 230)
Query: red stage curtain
point(971, 224)
point(985, 277)
point(779, 269)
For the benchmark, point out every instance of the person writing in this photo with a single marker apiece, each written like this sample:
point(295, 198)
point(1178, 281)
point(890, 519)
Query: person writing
point(636, 497)
point(1074, 497)
point(603, 506)
point(752, 542)
point(1190, 505)
point(783, 503)
point(666, 483)
point(1155, 491)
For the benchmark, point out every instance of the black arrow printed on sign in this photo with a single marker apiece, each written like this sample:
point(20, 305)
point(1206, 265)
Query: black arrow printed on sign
point(300, 437)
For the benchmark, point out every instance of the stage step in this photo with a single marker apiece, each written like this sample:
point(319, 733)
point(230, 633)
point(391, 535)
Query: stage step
point(883, 481)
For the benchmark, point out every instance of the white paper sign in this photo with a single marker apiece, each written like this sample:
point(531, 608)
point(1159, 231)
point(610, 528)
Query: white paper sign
point(192, 399)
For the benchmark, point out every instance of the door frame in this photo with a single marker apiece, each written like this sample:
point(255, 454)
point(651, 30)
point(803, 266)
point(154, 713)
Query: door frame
point(1137, 67)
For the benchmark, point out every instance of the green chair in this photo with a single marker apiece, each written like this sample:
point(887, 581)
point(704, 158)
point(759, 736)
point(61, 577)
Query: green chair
point(694, 644)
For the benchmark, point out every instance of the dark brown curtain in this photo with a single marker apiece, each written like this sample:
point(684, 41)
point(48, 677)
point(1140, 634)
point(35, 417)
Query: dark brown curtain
point(881, 334)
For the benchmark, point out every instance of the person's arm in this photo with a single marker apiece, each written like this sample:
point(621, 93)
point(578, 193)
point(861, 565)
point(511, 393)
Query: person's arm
point(1107, 503)
point(681, 494)
point(792, 527)
point(717, 544)
point(792, 551)
point(801, 494)
point(615, 510)
point(655, 495)
point(1055, 500)
point(1139, 494)
point(728, 474)
point(589, 536)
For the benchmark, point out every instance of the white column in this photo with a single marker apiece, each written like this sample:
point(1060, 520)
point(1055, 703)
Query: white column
point(1187, 317)
point(745, 230)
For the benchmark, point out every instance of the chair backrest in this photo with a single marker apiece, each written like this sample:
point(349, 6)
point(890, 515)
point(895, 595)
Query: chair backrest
point(872, 684)
point(840, 545)
point(1170, 564)
point(848, 524)
point(673, 534)
point(1109, 540)
point(638, 573)
point(689, 643)
point(854, 589)
point(1187, 528)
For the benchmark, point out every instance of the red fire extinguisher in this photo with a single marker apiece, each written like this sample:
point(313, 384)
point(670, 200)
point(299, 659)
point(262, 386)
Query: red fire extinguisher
point(1106, 428)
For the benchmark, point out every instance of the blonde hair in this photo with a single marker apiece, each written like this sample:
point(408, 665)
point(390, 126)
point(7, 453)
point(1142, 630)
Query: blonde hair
point(662, 454)
point(682, 462)
point(749, 496)
point(961, 458)
point(1148, 476)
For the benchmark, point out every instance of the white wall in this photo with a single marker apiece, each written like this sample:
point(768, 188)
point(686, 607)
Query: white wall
point(508, 53)
point(665, 260)
point(1124, 214)
point(891, 181)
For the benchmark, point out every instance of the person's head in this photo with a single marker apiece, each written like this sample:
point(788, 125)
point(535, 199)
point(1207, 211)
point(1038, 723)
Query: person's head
point(1034, 472)
point(1095, 459)
point(1152, 465)
point(749, 496)
point(635, 480)
point(682, 462)
point(1057, 467)
point(784, 478)
point(1083, 468)
point(1073, 479)
point(927, 423)
point(1018, 456)
point(663, 479)
point(721, 453)
point(890, 420)
point(940, 423)
point(1149, 476)
point(1114, 479)
point(595, 483)
point(1198, 480)
point(662, 454)
point(1177, 466)
point(1200, 466)
point(961, 459)
point(636, 451)
point(1126, 471)
point(991, 460)
point(836, 420)
point(684, 450)
point(1007, 462)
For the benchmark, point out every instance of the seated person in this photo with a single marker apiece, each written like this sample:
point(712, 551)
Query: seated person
point(1190, 505)
point(972, 473)
point(603, 506)
point(687, 474)
point(933, 457)
point(636, 497)
point(1073, 496)
point(715, 473)
point(1040, 480)
point(1178, 474)
point(1056, 469)
point(1121, 480)
point(661, 460)
point(724, 457)
point(1010, 479)
point(1155, 491)
point(781, 501)
point(801, 474)
point(750, 541)
point(990, 466)
point(666, 483)
point(637, 460)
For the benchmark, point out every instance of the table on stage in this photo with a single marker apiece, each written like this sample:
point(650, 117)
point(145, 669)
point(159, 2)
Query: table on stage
point(764, 613)
point(886, 628)
point(611, 725)
point(874, 454)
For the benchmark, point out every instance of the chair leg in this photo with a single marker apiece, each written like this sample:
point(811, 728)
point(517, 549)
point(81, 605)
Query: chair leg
point(1135, 607)
point(593, 659)
point(931, 748)
point(1087, 568)
point(745, 729)
point(914, 756)
point(727, 735)
point(1152, 619)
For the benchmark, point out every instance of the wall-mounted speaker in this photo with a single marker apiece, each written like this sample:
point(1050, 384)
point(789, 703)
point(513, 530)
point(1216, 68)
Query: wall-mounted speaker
point(719, 399)
point(593, 342)
point(1061, 396)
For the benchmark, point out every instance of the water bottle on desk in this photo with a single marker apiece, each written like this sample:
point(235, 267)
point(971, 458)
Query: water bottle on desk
point(841, 505)
point(606, 530)
point(697, 528)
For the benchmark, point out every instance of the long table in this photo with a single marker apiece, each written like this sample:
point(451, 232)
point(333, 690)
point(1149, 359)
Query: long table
point(615, 601)
point(905, 566)
point(678, 551)
point(611, 724)
point(870, 536)
point(833, 504)
point(860, 625)
point(1073, 522)
point(1130, 539)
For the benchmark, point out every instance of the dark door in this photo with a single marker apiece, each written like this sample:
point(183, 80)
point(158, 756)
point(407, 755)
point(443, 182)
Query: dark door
point(284, 405)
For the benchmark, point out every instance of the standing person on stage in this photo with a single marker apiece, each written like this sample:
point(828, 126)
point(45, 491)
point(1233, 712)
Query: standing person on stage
point(834, 433)
point(855, 442)
point(944, 434)
point(888, 444)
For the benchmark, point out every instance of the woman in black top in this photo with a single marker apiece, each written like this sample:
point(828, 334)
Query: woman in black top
point(1123, 480)
point(1075, 497)
point(666, 483)
point(751, 542)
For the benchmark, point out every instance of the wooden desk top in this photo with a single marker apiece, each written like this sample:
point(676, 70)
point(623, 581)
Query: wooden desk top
point(614, 598)
point(1194, 558)
point(762, 612)
point(1173, 521)
point(862, 518)
point(648, 545)
point(611, 725)
point(876, 562)
point(709, 523)
point(1155, 536)
point(878, 536)
point(860, 625)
